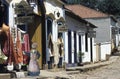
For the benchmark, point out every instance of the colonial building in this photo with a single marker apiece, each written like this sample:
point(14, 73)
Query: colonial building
point(54, 17)
point(79, 39)
point(105, 33)
point(27, 16)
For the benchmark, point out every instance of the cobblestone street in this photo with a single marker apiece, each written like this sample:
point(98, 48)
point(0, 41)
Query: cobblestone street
point(111, 71)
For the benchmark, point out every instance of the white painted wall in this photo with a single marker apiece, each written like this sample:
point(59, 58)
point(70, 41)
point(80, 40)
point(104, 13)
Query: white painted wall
point(65, 37)
point(52, 8)
point(77, 45)
point(87, 53)
point(105, 49)
point(75, 25)
point(117, 39)
point(11, 13)
point(95, 54)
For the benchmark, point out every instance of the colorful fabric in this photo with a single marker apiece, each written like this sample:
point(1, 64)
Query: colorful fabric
point(26, 42)
point(61, 47)
point(4, 42)
point(50, 45)
point(19, 50)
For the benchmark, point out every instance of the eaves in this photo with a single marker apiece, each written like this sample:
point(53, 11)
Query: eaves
point(71, 14)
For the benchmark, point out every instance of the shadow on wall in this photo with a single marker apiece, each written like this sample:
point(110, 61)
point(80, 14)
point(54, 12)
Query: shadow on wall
point(32, 27)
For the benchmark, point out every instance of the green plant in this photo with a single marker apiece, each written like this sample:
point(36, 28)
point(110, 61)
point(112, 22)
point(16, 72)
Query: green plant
point(80, 54)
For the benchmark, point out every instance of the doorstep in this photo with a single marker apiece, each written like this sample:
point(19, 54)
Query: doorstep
point(5, 76)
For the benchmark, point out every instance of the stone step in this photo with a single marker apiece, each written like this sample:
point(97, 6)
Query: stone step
point(5, 76)
point(73, 72)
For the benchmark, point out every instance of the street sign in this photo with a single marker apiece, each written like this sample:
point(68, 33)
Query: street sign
point(63, 28)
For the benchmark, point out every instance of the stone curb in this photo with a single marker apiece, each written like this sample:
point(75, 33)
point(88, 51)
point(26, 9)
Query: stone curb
point(92, 66)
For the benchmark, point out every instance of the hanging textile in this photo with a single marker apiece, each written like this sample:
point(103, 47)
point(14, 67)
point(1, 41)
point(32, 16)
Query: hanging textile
point(6, 46)
point(10, 44)
point(3, 58)
point(4, 41)
point(19, 49)
point(50, 45)
point(56, 53)
point(13, 48)
point(61, 46)
point(5, 27)
point(26, 43)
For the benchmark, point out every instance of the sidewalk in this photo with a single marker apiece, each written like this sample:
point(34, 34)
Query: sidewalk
point(64, 74)
point(94, 65)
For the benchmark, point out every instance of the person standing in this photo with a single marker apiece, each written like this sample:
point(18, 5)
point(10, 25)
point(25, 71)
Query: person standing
point(33, 67)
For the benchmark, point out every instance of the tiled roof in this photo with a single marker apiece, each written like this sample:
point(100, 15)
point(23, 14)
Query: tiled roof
point(85, 12)
point(73, 15)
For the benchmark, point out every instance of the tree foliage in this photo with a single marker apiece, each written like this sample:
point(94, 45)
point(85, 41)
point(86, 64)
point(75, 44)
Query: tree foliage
point(110, 6)
point(106, 6)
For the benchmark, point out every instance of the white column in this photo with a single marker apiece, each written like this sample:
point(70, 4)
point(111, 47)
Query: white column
point(77, 44)
point(65, 36)
point(72, 35)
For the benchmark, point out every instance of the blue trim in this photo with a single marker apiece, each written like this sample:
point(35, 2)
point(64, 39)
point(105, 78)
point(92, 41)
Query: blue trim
point(4, 2)
point(75, 47)
point(69, 47)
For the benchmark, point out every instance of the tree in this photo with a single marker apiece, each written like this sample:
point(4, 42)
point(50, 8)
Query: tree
point(106, 6)
point(110, 6)
point(88, 3)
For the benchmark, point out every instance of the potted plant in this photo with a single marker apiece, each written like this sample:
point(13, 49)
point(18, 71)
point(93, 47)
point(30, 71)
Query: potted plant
point(80, 56)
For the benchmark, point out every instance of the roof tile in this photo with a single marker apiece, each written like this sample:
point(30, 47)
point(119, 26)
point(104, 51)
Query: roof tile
point(85, 12)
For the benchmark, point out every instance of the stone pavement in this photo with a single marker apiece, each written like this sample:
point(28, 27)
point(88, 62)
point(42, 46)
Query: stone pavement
point(93, 65)
point(67, 74)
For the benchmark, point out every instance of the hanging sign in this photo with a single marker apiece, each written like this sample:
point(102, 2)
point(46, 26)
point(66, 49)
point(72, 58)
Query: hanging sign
point(23, 19)
point(27, 10)
point(91, 34)
point(115, 30)
point(62, 28)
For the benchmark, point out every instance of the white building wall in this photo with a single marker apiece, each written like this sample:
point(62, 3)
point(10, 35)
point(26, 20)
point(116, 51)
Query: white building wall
point(77, 45)
point(94, 51)
point(72, 37)
point(103, 36)
point(11, 15)
point(117, 39)
point(66, 46)
point(87, 55)
point(105, 49)
point(55, 31)
point(83, 47)
point(52, 7)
